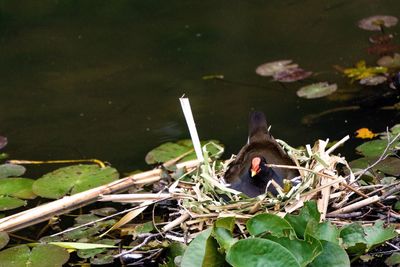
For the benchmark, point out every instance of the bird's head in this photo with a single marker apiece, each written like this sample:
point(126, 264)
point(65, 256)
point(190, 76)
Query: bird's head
point(256, 166)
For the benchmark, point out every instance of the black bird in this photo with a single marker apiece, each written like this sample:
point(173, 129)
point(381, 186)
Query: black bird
point(248, 173)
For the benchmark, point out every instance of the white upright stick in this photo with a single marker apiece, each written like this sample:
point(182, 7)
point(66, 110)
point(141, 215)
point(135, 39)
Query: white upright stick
point(187, 111)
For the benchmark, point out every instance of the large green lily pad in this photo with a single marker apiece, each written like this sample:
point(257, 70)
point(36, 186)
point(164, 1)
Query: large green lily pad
point(316, 90)
point(390, 165)
point(40, 256)
point(17, 187)
point(73, 179)
point(11, 170)
point(168, 151)
point(13, 190)
point(374, 148)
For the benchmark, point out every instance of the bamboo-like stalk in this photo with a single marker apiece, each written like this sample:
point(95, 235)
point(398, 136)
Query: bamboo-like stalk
point(66, 204)
point(356, 205)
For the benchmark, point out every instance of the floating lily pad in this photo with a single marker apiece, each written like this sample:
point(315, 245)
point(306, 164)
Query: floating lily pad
point(4, 239)
point(373, 148)
point(8, 170)
point(9, 203)
point(3, 141)
point(40, 256)
point(168, 151)
point(375, 23)
point(17, 187)
point(389, 62)
point(291, 75)
point(73, 179)
point(270, 68)
point(316, 90)
point(383, 49)
point(374, 80)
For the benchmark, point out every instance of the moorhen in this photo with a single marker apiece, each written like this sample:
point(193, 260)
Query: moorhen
point(248, 173)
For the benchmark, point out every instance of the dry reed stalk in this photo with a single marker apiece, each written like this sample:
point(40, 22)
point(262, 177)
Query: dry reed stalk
point(66, 204)
point(176, 222)
point(356, 205)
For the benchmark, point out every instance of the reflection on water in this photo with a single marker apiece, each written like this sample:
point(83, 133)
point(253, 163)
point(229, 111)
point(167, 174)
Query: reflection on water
point(102, 79)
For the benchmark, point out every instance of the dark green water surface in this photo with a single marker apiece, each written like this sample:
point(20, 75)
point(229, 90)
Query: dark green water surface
point(101, 79)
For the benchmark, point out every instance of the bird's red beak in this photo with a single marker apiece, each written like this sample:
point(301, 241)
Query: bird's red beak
point(255, 166)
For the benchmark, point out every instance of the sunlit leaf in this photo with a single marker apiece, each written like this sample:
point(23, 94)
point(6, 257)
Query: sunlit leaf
point(260, 252)
point(130, 216)
point(73, 179)
point(361, 71)
point(365, 133)
point(316, 90)
point(78, 245)
point(11, 170)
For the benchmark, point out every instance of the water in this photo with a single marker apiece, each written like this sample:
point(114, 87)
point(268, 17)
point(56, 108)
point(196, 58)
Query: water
point(101, 79)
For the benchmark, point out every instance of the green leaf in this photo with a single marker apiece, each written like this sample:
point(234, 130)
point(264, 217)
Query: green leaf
point(269, 223)
point(73, 179)
point(21, 256)
point(323, 231)
point(305, 251)
point(377, 234)
point(390, 166)
point(260, 252)
point(227, 222)
point(4, 239)
point(374, 148)
point(9, 203)
point(202, 251)
point(352, 235)
point(169, 151)
point(393, 260)
point(316, 90)
point(16, 256)
point(224, 238)
point(308, 213)
point(17, 187)
point(332, 256)
point(8, 170)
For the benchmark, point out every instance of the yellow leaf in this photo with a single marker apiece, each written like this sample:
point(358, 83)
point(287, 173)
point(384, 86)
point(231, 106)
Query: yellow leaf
point(365, 133)
point(130, 216)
